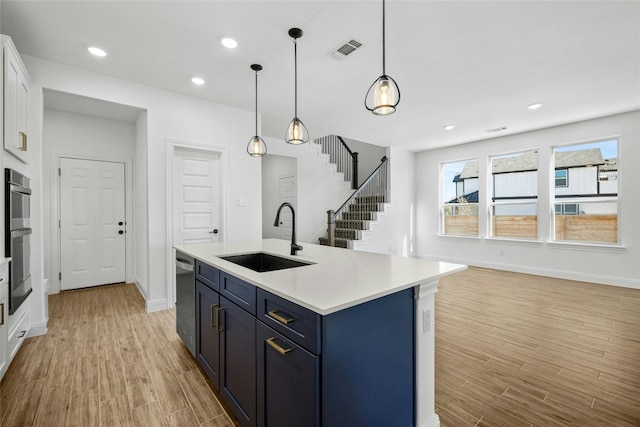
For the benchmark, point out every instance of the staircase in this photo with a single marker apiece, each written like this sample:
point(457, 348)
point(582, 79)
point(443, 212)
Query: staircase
point(347, 225)
point(355, 220)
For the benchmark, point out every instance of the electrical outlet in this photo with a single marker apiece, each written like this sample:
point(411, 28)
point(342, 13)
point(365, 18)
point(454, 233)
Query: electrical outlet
point(426, 321)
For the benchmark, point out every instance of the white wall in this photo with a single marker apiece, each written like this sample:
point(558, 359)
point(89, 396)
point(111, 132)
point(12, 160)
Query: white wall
point(395, 232)
point(369, 156)
point(273, 167)
point(169, 115)
point(140, 209)
point(608, 265)
point(74, 135)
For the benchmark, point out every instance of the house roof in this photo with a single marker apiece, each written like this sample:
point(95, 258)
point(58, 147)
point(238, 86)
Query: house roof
point(529, 161)
point(610, 165)
point(470, 198)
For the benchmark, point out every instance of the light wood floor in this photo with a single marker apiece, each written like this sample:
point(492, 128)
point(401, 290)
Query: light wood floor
point(511, 350)
point(104, 361)
point(518, 350)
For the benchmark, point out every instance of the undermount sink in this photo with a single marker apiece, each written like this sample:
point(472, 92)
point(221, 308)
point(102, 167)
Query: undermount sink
point(263, 262)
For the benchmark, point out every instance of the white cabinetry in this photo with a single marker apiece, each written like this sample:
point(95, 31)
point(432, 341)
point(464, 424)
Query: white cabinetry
point(16, 84)
point(4, 318)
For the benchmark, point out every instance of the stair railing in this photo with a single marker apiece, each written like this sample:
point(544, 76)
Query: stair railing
point(340, 154)
point(373, 190)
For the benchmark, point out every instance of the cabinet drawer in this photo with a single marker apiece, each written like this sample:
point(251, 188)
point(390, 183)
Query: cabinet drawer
point(239, 292)
point(17, 336)
point(299, 324)
point(208, 275)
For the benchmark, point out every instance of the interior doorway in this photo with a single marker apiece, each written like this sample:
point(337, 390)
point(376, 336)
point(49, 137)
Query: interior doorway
point(279, 185)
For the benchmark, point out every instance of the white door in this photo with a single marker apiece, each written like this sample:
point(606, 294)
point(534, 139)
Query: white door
point(196, 196)
point(92, 223)
point(287, 191)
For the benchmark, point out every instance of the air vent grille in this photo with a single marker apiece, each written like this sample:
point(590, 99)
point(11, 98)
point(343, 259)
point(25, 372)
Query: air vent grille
point(345, 49)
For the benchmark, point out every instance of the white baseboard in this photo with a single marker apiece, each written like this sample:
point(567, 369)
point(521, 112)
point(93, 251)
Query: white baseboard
point(143, 292)
point(156, 305)
point(434, 421)
point(559, 274)
point(36, 329)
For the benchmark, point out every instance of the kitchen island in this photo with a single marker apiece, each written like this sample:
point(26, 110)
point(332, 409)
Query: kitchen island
point(346, 339)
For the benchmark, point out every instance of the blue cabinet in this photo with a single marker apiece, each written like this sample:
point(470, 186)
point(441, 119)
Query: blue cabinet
point(277, 364)
point(207, 342)
point(288, 382)
point(238, 361)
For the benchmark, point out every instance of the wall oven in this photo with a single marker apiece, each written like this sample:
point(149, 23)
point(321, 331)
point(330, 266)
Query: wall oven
point(18, 236)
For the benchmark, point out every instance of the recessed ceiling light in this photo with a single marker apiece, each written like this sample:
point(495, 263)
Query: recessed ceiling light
point(534, 106)
point(448, 127)
point(97, 51)
point(197, 81)
point(229, 43)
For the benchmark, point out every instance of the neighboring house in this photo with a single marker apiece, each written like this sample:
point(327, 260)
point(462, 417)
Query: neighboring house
point(582, 174)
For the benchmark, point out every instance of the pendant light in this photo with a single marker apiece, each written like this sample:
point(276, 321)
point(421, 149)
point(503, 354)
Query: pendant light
point(256, 146)
point(384, 94)
point(296, 132)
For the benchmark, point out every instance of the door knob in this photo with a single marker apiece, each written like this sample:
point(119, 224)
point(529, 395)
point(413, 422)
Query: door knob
point(214, 231)
point(121, 223)
point(120, 231)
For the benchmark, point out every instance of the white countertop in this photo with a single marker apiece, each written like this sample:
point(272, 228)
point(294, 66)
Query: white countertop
point(338, 279)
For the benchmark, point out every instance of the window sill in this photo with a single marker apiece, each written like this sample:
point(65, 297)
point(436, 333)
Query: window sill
point(589, 247)
point(460, 236)
point(514, 241)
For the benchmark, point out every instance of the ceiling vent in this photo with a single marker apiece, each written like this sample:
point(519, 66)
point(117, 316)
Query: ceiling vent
point(345, 49)
point(500, 129)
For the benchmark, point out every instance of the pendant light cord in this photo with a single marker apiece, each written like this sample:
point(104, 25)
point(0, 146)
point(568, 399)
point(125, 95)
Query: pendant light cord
point(383, 41)
point(295, 78)
point(256, 103)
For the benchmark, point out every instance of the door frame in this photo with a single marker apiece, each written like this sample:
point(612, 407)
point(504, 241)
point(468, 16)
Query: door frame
point(170, 148)
point(56, 254)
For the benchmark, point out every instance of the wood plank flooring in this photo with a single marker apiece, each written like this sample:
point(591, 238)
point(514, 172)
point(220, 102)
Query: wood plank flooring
point(105, 362)
point(520, 350)
point(511, 350)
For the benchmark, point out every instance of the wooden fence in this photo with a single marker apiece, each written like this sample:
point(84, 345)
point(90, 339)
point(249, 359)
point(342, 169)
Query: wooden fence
point(591, 228)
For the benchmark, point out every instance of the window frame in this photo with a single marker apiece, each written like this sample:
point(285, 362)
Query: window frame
point(566, 177)
point(443, 203)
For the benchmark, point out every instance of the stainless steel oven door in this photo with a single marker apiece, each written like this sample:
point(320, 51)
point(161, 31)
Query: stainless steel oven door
point(20, 268)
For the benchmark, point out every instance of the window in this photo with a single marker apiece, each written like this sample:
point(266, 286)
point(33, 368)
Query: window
point(562, 178)
point(514, 205)
point(459, 204)
point(586, 192)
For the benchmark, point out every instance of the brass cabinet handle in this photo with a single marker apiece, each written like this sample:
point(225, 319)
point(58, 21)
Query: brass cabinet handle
point(213, 325)
point(276, 347)
point(218, 311)
point(2, 311)
point(23, 146)
point(279, 318)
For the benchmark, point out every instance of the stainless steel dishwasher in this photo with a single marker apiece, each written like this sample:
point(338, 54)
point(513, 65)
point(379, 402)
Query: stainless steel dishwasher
point(186, 300)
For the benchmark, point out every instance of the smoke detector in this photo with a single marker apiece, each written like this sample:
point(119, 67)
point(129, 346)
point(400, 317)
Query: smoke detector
point(345, 49)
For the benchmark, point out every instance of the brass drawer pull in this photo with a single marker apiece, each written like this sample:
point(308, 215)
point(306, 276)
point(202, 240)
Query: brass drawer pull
point(213, 325)
point(2, 311)
point(276, 347)
point(218, 311)
point(23, 146)
point(279, 318)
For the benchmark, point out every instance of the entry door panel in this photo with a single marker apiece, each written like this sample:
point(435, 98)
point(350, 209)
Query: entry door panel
point(92, 223)
point(287, 190)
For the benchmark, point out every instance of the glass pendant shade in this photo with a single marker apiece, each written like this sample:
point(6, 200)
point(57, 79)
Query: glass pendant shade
point(256, 146)
point(297, 133)
point(383, 96)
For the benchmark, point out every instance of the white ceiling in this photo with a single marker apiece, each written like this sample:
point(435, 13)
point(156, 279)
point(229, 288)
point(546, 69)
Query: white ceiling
point(474, 64)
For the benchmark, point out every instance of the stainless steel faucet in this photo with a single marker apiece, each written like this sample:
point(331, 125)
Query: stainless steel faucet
point(295, 247)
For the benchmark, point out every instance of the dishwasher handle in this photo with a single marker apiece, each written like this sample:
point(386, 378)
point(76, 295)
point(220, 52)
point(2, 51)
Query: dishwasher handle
point(184, 264)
